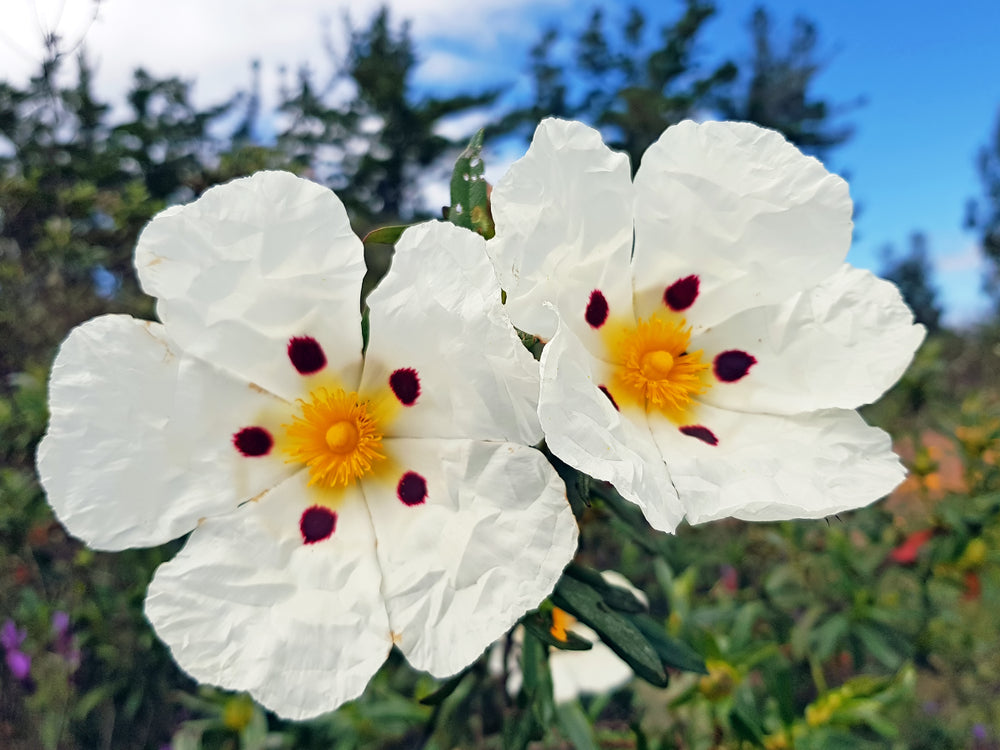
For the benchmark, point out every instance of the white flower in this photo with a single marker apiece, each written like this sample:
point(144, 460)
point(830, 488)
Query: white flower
point(714, 371)
point(594, 671)
point(343, 503)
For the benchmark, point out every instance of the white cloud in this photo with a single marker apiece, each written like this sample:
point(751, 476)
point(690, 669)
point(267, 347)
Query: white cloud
point(967, 258)
point(213, 41)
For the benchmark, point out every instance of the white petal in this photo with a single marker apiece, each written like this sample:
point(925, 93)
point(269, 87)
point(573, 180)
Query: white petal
point(842, 343)
point(139, 444)
point(767, 468)
point(251, 264)
point(488, 543)
point(584, 429)
point(246, 605)
point(563, 218)
point(742, 209)
point(438, 313)
point(593, 672)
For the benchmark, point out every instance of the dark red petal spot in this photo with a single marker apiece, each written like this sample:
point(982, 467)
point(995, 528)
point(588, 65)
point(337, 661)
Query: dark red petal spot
point(606, 392)
point(732, 365)
point(682, 293)
point(701, 432)
point(412, 489)
point(597, 309)
point(406, 385)
point(253, 441)
point(306, 354)
point(317, 523)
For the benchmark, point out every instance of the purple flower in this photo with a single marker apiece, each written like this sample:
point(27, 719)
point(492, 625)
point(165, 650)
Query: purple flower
point(979, 732)
point(60, 623)
point(11, 637)
point(65, 644)
point(19, 663)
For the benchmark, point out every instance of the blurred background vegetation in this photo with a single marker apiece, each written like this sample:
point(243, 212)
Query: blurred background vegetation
point(873, 629)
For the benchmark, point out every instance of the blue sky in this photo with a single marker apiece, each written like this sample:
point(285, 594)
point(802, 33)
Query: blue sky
point(927, 70)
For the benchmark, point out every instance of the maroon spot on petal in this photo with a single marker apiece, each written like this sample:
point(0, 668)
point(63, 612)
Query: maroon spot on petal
point(701, 432)
point(406, 385)
point(412, 489)
point(606, 392)
point(317, 523)
point(682, 293)
point(306, 354)
point(253, 441)
point(732, 365)
point(597, 309)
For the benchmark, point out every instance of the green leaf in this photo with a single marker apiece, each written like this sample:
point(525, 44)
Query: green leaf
point(539, 627)
point(470, 207)
point(615, 597)
point(672, 652)
point(778, 680)
point(618, 632)
point(574, 725)
point(439, 695)
point(827, 635)
point(385, 235)
point(745, 719)
point(878, 640)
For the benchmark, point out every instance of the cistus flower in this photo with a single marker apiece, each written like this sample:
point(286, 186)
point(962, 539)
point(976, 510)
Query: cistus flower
point(706, 344)
point(340, 503)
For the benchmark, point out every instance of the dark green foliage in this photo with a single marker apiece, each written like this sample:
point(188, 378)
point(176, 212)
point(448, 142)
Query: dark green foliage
point(632, 90)
point(912, 274)
point(776, 89)
point(984, 215)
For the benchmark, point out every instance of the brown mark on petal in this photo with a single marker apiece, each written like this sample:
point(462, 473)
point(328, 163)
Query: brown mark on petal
point(397, 638)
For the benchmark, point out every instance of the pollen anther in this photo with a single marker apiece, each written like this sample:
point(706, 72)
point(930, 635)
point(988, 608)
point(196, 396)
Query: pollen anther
point(335, 436)
point(653, 365)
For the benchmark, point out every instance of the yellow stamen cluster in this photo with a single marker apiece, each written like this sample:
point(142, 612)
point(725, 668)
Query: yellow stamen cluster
point(561, 623)
point(654, 366)
point(335, 436)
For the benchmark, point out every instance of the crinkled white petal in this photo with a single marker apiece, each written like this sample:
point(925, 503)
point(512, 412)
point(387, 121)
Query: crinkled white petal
point(488, 544)
point(741, 208)
point(595, 671)
point(583, 429)
point(438, 312)
point(139, 444)
point(246, 605)
point(251, 264)
point(563, 218)
point(767, 467)
point(842, 343)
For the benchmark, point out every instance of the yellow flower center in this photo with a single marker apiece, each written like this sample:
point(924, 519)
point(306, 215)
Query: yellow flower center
point(653, 367)
point(561, 622)
point(335, 436)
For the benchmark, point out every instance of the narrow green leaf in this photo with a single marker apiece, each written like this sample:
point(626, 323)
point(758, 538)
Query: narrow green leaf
point(439, 695)
point(470, 206)
point(618, 632)
point(615, 597)
point(672, 652)
point(539, 627)
point(778, 680)
point(878, 644)
point(385, 235)
point(366, 325)
point(745, 719)
point(574, 726)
